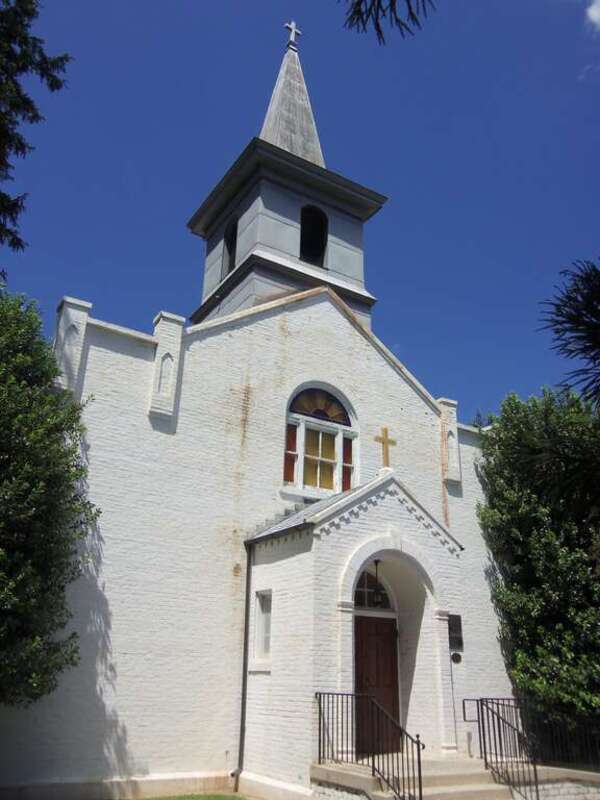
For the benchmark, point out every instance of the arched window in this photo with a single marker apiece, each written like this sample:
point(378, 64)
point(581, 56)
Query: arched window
point(369, 593)
point(313, 235)
point(320, 447)
point(229, 247)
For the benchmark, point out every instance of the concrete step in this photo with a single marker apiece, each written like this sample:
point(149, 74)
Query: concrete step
point(349, 776)
point(471, 791)
point(462, 778)
point(459, 779)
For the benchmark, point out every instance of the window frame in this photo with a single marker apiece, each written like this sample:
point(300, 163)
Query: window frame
point(261, 654)
point(340, 432)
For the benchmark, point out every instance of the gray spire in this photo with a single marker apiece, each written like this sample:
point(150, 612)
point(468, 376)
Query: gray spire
point(289, 122)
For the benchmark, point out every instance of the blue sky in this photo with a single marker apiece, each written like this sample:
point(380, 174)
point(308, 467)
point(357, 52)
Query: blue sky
point(483, 130)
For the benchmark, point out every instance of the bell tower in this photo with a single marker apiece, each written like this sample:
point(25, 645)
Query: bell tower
point(280, 221)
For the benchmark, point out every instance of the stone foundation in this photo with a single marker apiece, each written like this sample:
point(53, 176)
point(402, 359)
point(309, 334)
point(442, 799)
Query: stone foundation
point(122, 789)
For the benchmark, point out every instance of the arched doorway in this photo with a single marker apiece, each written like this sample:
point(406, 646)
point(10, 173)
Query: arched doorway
point(375, 641)
point(375, 650)
point(396, 643)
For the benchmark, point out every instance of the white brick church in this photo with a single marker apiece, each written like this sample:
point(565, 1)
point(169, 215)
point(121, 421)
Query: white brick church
point(286, 511)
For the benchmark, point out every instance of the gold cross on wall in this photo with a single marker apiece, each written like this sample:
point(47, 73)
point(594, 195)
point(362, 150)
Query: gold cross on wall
point(385, 442)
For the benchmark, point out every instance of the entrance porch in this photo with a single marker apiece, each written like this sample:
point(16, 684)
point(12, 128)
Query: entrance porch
point(349, 596)
point(395, 640)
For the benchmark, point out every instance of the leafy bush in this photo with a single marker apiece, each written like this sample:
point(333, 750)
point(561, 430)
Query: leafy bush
point(541, 474)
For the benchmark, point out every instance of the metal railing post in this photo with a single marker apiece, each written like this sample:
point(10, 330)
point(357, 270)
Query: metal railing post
point(320, 728)
point(483, 734)
point(372, 714)
point(419, 766)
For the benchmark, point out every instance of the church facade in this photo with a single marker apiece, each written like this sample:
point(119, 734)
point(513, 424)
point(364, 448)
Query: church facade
point(286, 510)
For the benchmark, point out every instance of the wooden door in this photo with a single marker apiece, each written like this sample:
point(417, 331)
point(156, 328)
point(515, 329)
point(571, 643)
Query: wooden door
point(376, 673)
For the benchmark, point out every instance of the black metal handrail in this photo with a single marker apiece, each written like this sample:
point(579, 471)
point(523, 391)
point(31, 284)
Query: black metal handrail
point(554, 737)
point(560, 739)
point(356, 729)
point(504, 746)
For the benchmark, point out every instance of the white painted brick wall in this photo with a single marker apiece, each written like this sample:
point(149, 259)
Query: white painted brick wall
point(161, 624)
point(481, 673)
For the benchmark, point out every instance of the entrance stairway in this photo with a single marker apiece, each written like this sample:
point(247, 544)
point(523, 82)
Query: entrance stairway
point(443, 779)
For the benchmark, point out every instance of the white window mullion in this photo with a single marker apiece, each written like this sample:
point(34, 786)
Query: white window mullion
point(300, 445)
point(339, 457)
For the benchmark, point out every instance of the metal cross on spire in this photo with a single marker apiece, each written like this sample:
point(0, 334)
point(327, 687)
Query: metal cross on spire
point(294, 31)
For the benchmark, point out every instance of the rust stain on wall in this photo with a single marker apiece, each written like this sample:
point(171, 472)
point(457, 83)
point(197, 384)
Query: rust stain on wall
point(246, 401)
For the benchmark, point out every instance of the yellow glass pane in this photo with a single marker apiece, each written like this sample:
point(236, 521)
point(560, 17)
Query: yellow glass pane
point(328, 446)
point(311, 443)
point(310, 472)
point(326, 478)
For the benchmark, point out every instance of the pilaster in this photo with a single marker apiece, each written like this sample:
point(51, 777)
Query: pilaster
point(446, 708)
point(168, 329)
point(450, 448)
point(71, 324)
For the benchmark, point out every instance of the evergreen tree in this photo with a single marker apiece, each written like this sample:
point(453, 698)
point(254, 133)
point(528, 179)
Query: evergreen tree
point(21, 54)
point(45, 513)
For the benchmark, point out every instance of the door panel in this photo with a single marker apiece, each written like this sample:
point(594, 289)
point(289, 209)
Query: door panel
point(376, 673)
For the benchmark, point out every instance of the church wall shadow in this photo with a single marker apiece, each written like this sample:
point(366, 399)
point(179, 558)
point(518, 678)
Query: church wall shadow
point(73, 734)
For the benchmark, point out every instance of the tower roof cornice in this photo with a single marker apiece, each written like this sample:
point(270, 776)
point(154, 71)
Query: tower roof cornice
point(261, 160)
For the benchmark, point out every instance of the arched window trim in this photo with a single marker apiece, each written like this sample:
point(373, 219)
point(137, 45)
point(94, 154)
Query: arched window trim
point(314, 235)
point(300, 446)
point(230, 235)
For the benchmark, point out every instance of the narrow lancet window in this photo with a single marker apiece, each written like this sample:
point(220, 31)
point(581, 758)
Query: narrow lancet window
point(313, 235)
point(229, 247)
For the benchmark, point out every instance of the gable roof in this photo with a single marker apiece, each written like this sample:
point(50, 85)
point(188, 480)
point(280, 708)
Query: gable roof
point(317, 513)
point(345, 310)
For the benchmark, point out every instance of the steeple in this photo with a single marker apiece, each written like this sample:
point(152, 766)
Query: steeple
point(279, 221)
point(289, 122)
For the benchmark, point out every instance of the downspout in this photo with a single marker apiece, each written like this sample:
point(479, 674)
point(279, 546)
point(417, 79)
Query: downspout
point(244, 696)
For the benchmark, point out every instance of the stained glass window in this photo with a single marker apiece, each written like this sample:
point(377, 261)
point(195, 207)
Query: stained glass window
point(320, 444)
point(320, 404)
point(291, 453)
point(319, 458)
point(347, 464)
